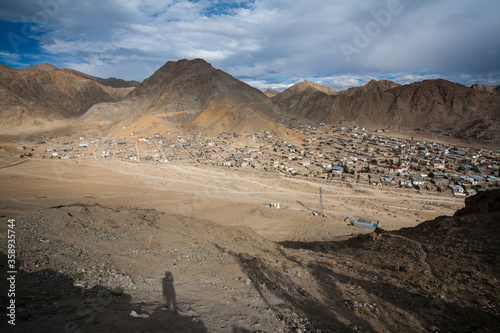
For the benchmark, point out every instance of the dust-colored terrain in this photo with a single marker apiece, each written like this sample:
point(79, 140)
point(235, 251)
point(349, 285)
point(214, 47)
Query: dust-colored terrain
point(227, 196)
point(146, 241)
point(197, 249)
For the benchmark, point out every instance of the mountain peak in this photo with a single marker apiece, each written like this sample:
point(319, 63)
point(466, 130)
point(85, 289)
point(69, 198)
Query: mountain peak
point(271, 92)
point(383, 84)
point(45, 67)
point(372, 87)
point(486, 88)
point(191, 93)
point(306, 85)
point(186, 64)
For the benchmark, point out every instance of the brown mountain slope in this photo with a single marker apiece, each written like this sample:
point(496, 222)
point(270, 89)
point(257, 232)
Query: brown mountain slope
point(271, 93)
point(116, 88)
point(109, 82)
point(430, 104)
point(300, 95)
point(454, 259)
point(192, 93)
point(372, 87)
point(146, 125)
point(443, 273)
point(42, 94)
point(486, 88)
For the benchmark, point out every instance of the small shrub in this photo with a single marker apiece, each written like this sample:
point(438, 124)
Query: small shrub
point(116, 292)
point(330, 262)
point(405, 275)
point(481, 301)
point(365, 312)
point(452, 289)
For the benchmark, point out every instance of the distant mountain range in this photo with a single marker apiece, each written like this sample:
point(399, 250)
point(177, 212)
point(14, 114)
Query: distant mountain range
point(191, 94)
point(474, 112)
point(44, 93)
point(109, 82)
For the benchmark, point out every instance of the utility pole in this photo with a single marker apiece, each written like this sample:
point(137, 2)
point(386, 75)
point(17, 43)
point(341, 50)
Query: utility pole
point(321, 201)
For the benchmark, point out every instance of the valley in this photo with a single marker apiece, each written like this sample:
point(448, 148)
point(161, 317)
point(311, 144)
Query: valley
point(193, 202)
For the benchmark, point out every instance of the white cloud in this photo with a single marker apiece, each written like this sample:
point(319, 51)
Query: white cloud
point(207, 55)
point(264, 85)
point(9, 55)
point(273, 41)
point(409, 78)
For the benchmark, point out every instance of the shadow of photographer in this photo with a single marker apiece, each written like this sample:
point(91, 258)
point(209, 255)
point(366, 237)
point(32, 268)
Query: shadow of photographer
point(49, 301)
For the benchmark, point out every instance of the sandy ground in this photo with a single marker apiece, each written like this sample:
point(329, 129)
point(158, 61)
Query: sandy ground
point(224, 195)
point(205, 241)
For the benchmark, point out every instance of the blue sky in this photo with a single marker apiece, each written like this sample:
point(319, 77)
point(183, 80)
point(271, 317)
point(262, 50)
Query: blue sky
point(266, 43)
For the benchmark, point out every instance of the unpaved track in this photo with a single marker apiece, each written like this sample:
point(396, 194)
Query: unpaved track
point(224, 195)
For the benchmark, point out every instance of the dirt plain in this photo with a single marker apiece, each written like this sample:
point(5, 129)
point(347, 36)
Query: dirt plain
point(110, 245)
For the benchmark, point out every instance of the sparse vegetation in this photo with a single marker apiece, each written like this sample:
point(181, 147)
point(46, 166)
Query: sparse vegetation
point(116, 292)
point(330, 262)
point(365, 312)
point(481, 301)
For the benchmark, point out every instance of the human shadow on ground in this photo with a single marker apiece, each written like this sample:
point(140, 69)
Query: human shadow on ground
point(49, 301)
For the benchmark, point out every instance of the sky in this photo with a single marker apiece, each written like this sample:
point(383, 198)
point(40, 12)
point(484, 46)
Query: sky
point(265, 43)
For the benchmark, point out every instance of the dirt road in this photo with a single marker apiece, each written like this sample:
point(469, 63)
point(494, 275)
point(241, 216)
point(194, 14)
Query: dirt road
point(224, 195)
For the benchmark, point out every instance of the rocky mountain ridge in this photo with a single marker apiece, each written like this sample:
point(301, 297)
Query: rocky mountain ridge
point(42, 94)
point(191, 94)
point(430, 104)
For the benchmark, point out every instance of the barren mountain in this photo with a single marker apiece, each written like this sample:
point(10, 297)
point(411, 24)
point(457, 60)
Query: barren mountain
point(42, 94)
point(271, 93)
point(191, 93)
point(372, 87)
point(486, 88)
point(116, 88)
point(300, 95)
point(109, 82)
point(430, 104)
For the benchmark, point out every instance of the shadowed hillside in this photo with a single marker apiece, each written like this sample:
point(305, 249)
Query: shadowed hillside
point(430, 104)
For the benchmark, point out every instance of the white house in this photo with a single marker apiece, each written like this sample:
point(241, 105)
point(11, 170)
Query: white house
point(417, 181)
point(405, 183)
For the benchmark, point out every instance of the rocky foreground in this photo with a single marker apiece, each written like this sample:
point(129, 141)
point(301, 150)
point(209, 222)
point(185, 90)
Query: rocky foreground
point(102, 269)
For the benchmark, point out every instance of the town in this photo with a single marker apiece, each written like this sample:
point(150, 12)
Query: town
point(333, 153)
